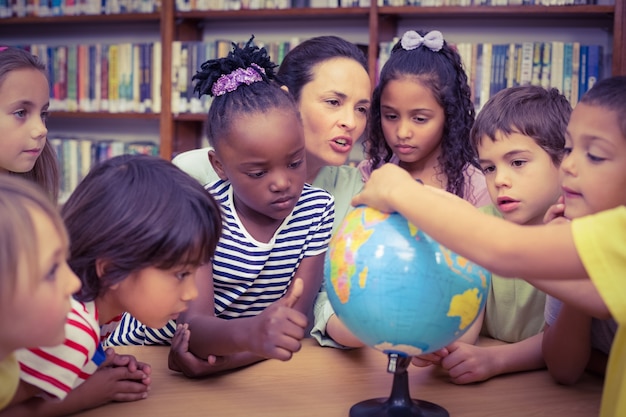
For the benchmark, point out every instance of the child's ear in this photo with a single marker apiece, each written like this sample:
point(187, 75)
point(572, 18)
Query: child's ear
point(217, 165)
point(101, 267)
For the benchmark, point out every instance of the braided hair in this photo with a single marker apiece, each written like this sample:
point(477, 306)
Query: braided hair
point(241, 83)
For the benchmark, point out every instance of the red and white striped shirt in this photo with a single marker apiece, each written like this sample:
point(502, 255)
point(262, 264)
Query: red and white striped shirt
point(57, 370)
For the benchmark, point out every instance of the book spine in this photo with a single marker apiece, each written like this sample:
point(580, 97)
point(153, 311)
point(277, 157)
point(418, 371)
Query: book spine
point(536, 68)
point(556, 69)
point(114, 84)
point(567, 70)
point(136, 78)
point(582, 75)
point(546, 61)
point(72, 78)
point(156, 77)
point(485, 82)
point(594, 65)
point(104, 78)
point(575, 72)
point(528, 49)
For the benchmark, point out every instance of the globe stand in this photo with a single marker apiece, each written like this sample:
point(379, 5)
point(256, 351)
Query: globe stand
point(399, 403)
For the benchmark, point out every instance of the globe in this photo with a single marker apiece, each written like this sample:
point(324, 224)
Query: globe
point(397, 289)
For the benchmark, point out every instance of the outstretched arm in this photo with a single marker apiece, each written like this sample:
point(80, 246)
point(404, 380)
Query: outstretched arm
point(502, 247)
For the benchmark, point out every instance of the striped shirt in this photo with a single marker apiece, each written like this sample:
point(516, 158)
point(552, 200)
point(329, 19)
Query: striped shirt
point(57, 370)
point(249, 275)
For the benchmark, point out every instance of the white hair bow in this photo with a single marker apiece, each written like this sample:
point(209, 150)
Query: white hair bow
point(433, 40)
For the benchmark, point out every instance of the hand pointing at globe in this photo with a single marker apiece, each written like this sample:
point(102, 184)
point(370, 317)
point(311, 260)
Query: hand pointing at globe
point(277, 331)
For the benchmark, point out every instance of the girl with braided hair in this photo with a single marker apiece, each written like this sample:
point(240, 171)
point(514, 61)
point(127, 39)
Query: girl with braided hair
point(255, 296)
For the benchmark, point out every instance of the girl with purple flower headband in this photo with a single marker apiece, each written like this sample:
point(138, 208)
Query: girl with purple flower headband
point(255, 297)
point(24, 99)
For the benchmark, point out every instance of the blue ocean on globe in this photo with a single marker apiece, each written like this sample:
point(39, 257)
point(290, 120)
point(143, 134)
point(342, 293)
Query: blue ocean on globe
point(397, 289)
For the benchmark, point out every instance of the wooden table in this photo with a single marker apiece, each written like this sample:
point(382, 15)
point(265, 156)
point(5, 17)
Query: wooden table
point(326, 382)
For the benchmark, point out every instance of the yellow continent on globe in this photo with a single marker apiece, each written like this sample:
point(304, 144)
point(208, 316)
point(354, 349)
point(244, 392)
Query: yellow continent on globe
point(465, 306)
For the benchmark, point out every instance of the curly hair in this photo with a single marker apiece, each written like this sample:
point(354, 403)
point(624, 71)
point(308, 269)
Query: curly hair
point(442, 72)
point(260, 96)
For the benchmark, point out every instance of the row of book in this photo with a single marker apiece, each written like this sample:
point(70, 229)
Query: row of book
point(76, 156)
point(187, 58)
point(464, 3)
point(202, 5)
point(23, 8)
point(570, 67)
point(127, 77)
point(42, 8)
point(191, 5)
point(112, 78)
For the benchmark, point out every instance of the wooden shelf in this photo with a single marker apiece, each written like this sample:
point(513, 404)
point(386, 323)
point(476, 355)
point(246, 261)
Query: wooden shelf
point(87, 18)
point(103, 115)
point(277, 14)
point(518, 12)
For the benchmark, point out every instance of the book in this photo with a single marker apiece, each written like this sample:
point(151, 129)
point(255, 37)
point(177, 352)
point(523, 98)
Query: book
point(104, 78)
point(71, 102)
point(526, 68)
point(575, 73)
point(546, 61)
point(485, 82)
point(155, 79)
point(113, 77)
point(535, 78)
point(556, 68)
point(567, 70)
point(594, 65)
point(582, 73)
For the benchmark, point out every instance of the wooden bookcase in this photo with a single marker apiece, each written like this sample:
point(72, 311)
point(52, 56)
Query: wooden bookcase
point(180, 132)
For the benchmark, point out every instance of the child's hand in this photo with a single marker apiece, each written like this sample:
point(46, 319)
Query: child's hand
point(110, 383)
point(180, 359)
point(467, 363)
point(129, 361)
point(277, 331)
point(556, 213)
point(377, 189)
point(428, 359)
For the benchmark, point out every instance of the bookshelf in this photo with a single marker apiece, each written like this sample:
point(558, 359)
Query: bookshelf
point(368, 25)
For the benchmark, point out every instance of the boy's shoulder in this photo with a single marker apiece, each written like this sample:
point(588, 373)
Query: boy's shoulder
point(491, 210)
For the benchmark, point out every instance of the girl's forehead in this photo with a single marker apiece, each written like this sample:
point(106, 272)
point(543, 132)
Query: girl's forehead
point(599, 122)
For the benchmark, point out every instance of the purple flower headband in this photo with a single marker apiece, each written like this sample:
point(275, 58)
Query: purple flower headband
point(433, 40)
point(230, 82)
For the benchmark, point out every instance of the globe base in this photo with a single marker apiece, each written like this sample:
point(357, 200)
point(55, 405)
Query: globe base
point(399, 403)
point(382, 407)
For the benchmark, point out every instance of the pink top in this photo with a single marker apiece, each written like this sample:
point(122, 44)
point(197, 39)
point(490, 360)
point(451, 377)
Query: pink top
point(474, 181)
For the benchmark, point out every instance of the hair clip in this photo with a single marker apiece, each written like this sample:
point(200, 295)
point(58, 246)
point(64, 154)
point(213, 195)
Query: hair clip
point(433, 40)
point(229, 82)
point(3, 48)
